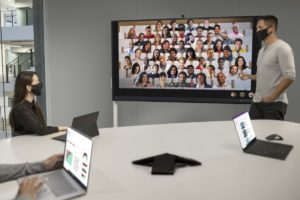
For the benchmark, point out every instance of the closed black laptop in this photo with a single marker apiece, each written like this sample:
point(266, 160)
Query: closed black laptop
point(252, 145)
point(85, 123)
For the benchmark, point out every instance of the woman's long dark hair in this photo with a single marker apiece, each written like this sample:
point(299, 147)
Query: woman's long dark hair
point(23, 79)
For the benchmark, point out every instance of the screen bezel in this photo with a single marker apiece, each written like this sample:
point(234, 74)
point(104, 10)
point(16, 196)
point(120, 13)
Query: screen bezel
point(179, 95)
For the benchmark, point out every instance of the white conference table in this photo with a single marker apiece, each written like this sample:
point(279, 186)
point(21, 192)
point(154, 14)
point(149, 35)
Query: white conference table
point(226, 172)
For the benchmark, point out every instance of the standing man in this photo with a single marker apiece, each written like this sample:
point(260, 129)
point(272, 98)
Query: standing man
point(275, 72)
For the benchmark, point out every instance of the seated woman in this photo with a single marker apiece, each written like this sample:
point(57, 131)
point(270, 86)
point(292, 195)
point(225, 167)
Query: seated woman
point(26, 116)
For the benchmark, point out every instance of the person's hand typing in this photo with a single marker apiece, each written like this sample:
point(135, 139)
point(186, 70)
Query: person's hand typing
point(31, 186)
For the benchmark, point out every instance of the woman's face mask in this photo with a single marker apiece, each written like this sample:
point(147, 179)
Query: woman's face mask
point(37, 89)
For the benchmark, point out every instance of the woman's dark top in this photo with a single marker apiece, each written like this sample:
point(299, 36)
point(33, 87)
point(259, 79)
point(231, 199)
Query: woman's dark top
point(27, 121)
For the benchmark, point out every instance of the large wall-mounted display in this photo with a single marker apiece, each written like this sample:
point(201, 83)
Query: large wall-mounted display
point(184, 60)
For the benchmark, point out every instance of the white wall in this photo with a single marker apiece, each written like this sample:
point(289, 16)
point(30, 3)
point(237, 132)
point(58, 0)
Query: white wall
point(78, 57)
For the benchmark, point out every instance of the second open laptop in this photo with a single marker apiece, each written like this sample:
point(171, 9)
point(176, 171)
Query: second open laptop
point(85, 123)
point(72, 180)
point(252, 145)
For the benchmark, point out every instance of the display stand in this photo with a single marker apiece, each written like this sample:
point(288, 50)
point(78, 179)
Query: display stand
point(115, 113)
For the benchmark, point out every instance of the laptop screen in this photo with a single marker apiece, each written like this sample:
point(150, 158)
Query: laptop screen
point(77, 156)
point(244, 128)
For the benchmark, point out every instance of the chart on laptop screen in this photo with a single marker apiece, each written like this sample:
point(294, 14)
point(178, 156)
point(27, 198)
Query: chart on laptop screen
point(77, 155)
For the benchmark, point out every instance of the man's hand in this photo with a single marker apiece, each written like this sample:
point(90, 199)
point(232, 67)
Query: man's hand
point(54, 162)
point(268, 99)
point(31, 186)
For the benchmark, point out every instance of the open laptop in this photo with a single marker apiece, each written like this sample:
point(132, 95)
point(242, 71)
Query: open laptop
point(85, 123)
point(72, 180)
point(252, 145)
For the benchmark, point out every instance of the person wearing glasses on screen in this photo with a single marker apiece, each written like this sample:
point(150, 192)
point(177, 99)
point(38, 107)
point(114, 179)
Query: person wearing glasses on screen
point(166, 32)
point(235, 32)
point(143, 81)
point(26, 116)
point(29, 187)
point(201, 81)
point(156, 55)
point(276, 71)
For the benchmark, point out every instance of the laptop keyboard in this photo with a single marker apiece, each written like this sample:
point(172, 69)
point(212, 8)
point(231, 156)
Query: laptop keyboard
point(59, 185)
point(269, 149)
